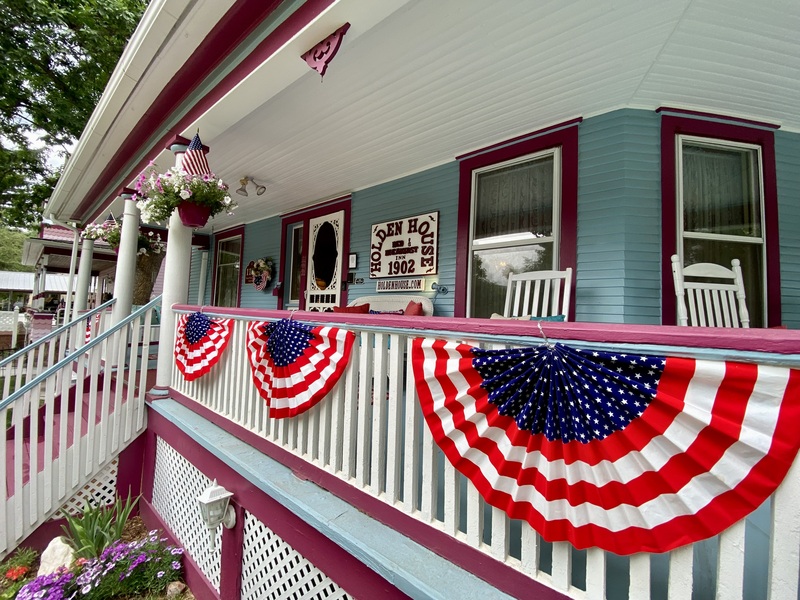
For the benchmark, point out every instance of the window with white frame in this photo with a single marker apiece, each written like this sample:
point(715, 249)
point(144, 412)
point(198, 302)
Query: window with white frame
point(721, 211)
point(226, 282)
point(515, 225)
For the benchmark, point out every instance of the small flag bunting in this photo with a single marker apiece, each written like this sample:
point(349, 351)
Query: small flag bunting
point(199, 343)
point(295, 365)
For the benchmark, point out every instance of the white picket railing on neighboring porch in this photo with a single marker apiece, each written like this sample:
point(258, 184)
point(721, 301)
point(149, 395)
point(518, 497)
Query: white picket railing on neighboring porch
point(67, 422)
point(21, 367)
point(370, 432)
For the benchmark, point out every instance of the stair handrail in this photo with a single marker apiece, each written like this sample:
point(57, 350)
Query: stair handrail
point(56, 332)
point(85, 348)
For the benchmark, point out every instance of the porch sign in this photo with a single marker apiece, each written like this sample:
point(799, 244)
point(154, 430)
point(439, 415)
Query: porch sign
point(404, 247)
point(400, 285)
point(628, 453)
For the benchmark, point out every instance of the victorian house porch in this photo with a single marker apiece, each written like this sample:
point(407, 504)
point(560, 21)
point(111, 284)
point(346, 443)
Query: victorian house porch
point(326, 352)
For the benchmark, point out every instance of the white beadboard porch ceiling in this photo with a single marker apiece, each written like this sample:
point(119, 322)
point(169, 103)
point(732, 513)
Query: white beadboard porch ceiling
point(432, 79)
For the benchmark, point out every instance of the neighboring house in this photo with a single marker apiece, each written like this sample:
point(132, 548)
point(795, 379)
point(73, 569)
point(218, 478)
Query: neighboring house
point(601, 137)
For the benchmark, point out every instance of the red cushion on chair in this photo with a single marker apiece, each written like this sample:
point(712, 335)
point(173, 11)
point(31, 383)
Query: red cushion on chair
point(360, 308)
point(414, 309)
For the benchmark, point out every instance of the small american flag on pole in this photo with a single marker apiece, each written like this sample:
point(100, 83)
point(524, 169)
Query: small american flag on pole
point(624, 452)
point(194, 159)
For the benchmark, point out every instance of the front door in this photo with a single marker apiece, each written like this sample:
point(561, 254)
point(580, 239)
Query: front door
point(325, 249)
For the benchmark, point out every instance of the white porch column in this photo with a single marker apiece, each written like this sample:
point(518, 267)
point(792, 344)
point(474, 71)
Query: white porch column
point(126, 261)
point(84, 276)
point(37, 276)
point(176, 288)
point(69, 311)
point(42, 287)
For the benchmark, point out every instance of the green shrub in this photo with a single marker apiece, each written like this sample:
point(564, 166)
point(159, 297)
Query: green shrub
point(97, 527)
point(16, 570)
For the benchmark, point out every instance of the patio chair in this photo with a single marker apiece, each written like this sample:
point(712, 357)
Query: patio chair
point(714, 294)
point(539, 294)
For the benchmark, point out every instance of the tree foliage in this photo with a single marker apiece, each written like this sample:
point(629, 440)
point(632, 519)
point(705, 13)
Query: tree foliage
point(57, 58)
point(11, 249)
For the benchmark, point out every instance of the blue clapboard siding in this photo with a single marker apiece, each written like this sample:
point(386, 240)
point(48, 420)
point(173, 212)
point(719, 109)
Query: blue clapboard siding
point(787, 158)
point(428, 191)
point(261, 239)
point(619, 218)
point(194, 276)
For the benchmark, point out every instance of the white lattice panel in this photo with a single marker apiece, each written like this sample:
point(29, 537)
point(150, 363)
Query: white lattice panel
point(176, 486)
point(100, 491)
point(273, 570)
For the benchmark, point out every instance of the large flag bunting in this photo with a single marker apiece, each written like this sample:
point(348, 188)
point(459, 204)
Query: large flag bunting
point(194, 159)
point(628, 453)
point(199, 343)
point(295, 365)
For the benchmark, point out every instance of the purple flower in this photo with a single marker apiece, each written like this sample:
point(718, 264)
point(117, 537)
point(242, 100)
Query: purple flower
point(176, 565)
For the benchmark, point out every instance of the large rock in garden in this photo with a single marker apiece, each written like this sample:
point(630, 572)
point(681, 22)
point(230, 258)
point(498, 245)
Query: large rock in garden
point(57, 554)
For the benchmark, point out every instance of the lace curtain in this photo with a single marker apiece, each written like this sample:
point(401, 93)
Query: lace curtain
point(720, 192)
point(515, 199)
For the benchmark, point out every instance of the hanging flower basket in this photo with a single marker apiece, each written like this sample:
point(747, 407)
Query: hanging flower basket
point(159, 194)
point(193, 215)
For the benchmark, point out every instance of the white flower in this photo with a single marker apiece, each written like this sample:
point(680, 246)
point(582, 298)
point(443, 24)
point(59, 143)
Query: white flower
point(185, 194)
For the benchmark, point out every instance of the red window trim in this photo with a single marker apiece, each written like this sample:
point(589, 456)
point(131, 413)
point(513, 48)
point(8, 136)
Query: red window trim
point(303, 216)
point(221, 237)
point(567, 139)
point(671, 127)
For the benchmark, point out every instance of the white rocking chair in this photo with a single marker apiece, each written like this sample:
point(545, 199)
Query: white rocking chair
point(718, 304)
point(539, 294)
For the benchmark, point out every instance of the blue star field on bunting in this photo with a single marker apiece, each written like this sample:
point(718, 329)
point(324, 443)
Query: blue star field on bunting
point(197, 326)
point(287, 339)
point(567, 393)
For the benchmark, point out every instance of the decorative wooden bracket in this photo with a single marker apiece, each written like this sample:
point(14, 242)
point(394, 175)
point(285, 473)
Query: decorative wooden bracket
point(322, 54)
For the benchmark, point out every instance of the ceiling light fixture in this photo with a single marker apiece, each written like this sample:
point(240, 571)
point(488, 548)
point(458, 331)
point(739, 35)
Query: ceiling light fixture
point(242, 191)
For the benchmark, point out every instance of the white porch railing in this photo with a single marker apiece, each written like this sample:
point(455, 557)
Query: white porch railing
point(10, 320)
point(67, 421)
point(36, 358)
point(370, 433)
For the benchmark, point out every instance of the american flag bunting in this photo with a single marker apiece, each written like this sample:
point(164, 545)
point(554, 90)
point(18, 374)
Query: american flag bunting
point(628, 453)
point(294, 365)
point(199, 343)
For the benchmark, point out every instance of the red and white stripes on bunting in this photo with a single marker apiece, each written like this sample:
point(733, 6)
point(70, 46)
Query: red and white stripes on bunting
point(199, 343)
point(294, 365)
point(713, 442)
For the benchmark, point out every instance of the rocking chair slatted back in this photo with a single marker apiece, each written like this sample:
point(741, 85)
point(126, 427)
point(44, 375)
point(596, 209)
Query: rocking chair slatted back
point(539, 293)
point(714, 295)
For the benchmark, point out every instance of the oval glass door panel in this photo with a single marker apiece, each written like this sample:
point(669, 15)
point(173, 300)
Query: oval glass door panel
point(326, 255)
point(324, 283)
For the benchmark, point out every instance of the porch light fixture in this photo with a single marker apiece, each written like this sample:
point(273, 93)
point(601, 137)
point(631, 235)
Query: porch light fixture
point(215, 509)
point(438, 289)
point(242, 191)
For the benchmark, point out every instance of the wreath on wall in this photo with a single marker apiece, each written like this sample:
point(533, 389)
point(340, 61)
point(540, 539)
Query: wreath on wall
point(263, 270)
